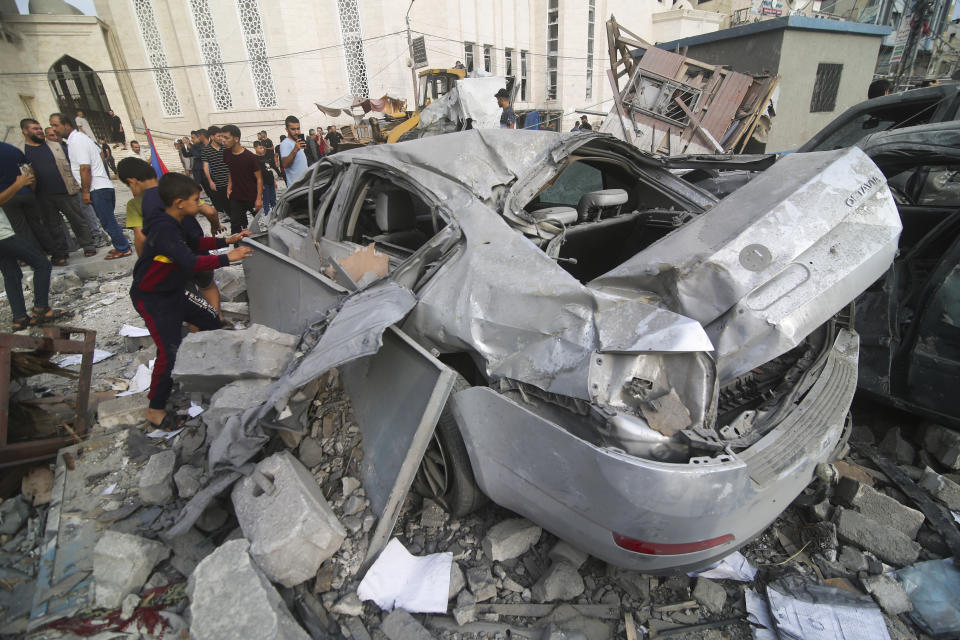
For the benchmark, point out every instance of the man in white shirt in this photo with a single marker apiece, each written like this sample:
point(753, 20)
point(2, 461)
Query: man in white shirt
point(96, 189)
point(83, 126)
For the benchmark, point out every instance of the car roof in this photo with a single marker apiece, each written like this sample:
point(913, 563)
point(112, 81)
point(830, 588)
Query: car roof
point(923, 144)
point(479, 159)
point(939, 93)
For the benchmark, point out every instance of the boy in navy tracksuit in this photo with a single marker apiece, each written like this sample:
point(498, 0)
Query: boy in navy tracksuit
point(162, 292)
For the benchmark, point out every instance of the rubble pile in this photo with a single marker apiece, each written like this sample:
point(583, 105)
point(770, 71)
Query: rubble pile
point(281, 547)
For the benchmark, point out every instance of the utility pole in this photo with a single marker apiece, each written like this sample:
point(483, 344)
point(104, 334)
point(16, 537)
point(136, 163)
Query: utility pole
point(413, 68)
point(918, 17)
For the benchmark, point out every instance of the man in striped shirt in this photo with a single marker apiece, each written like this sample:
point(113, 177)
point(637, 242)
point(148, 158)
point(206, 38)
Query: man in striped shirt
point(216, 171)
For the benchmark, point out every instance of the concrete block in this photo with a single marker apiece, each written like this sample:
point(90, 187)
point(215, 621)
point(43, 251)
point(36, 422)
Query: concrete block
point(888, 593)
point(889, 544)
point(878, 507)
point(126, 411)
point(943, 444)
point(189, 549)
point(560, 582)
point(349, 605)
point(457, 580)
point(310, 452)
point(710, 594)
point(121, 564)
point(232, 284)
point(63, 281)
point(942, 488)
point(187, 479)
point(400, 625)
point(208, 360)
point(510, 539)
point(283, 514)
point(852, 559)
point(156, 479)
point(230, 597)
point(481, 583)
point(234, 398)
point(894, 445)
point(568, 553)
point(466, 609)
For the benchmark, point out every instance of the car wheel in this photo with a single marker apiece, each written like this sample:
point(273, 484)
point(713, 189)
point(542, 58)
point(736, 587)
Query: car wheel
point(445, 473)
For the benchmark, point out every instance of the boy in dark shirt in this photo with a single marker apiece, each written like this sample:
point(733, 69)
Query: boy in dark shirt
point(269, 182)
point(162, 292)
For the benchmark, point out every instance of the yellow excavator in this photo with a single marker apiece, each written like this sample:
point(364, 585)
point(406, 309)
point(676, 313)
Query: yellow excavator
point(434, 84)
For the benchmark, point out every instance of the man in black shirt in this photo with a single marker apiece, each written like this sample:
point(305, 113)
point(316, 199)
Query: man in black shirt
point(584, 125)
point(116, 128)
point(56, 191)
point(269, 181)
point(333, 137)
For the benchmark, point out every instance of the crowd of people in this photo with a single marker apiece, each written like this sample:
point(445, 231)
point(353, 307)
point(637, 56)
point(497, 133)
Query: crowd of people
point(62, 172)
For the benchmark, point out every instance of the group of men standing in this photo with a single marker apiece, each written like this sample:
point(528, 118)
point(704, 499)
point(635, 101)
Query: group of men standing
point(70, 179)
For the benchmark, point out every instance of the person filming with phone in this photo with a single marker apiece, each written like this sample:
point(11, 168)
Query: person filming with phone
point(293, 158)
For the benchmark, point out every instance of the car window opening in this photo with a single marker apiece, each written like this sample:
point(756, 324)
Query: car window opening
point(595, 215)
point(878, 120)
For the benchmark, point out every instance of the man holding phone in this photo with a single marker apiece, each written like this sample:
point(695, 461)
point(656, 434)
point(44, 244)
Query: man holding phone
point(293, 158)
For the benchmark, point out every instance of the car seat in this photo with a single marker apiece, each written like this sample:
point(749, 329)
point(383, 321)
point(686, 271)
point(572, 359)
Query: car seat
point(397, 219)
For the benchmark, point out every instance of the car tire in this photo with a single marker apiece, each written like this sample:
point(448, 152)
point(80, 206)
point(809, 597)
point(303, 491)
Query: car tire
point(445, 474)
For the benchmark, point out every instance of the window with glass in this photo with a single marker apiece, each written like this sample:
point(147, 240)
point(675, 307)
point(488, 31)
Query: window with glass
point(468, 55)
point(553, 47)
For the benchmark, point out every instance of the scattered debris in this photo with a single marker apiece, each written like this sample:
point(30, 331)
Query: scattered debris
point(121, 564)
point(399, 579)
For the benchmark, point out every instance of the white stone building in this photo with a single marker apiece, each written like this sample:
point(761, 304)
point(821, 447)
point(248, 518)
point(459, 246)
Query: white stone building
point(177, 65)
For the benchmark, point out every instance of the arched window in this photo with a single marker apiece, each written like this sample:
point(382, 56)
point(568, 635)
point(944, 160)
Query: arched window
point(78, 88)
point(252, 27)
point(352, 34)
point(210, 50)
point(157, 56)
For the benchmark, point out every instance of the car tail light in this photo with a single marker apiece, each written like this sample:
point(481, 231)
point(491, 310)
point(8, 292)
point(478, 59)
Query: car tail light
point(667, 549)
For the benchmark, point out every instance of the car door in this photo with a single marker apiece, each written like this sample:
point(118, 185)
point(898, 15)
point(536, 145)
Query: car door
point(287, 288)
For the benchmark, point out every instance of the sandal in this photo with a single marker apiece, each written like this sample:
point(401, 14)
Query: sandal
point(115, 254)
point(46, 315)
point(169, 423)
point(89, 252)
point(19, 324)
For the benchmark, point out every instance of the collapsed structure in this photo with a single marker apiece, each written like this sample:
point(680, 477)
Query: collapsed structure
point(668, 103)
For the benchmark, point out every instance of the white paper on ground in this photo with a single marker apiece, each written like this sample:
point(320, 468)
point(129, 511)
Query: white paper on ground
point(734, 567)
point(398, 579)
point(799, 620)
point(140, 381)
point(194, 410)
point(758, 614)
point(166, 435)
point(109, 490)
point(956, 516)
point(130, 331)
point(76, 358)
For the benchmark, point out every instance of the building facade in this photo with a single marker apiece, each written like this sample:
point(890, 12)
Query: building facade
point(177, 65)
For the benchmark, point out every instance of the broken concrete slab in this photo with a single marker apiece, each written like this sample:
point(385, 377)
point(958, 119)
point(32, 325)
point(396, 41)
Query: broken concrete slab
point(125, 411)
point(234, 398)
point(888, 593)
point(510, 539)
point(568, 553)
point(710, 594)
point(187, 479)
point(894, 445)
point(466, 609)
point(400, 625)
point(878, 506)
point(942, 488)
point(560, 582)
point(208, 360)
point(481, 583)
point(290, 525)
point(156, 479)
point(457, 580)
point(121, 564)
point(943, 444)
point(890, 545)
point(230, 597)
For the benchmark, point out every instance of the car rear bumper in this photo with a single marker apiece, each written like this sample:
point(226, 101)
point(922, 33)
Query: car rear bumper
point(585, 494)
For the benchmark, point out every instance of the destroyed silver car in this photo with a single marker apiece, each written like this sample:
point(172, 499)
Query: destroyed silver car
point(648, 373)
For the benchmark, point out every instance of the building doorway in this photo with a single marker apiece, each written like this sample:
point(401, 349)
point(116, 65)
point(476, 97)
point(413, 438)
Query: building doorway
point(78, 88)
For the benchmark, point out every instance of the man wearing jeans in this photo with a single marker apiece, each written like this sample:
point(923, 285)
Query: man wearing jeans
point(56, 190)
point(95, 186)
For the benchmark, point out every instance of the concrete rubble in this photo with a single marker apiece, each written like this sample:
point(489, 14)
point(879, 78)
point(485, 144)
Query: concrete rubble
point(280, 552)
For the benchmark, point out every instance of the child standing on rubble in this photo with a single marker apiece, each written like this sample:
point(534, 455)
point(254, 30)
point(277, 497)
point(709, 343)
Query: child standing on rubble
point(163, 292)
